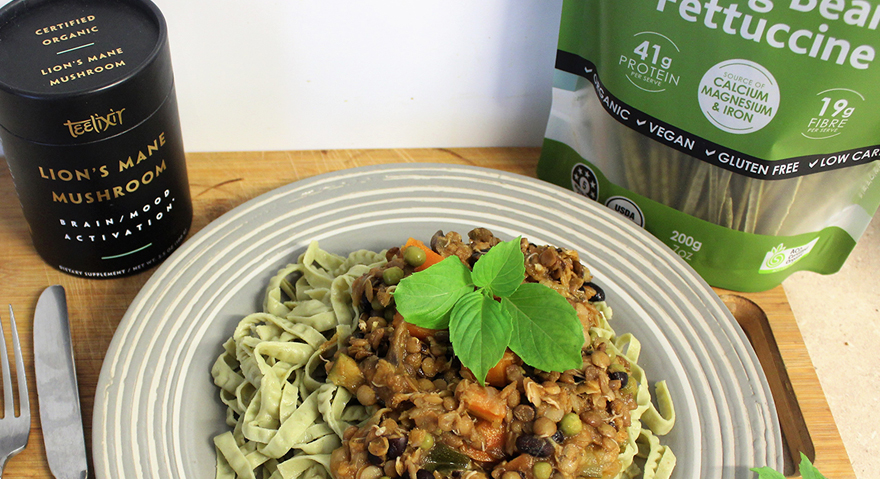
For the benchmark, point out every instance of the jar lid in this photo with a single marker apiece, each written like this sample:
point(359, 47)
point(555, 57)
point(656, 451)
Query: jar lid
point(77, 71)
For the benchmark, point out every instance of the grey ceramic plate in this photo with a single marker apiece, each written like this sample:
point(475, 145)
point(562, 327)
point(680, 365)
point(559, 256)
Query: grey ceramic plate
point(156, 409)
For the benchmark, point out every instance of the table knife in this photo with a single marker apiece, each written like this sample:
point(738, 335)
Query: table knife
point(57, 392)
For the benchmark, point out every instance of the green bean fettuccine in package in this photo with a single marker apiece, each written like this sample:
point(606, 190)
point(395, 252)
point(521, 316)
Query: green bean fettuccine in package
point(742, 134)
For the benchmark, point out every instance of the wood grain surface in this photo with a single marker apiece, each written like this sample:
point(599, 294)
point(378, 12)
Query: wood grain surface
point(222, 181)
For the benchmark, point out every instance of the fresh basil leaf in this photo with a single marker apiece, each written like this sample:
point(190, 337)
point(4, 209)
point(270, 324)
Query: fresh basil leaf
point(502, 269)
point(547, 333)
point(426, 298)
point(767, 473)
point(480, 332)
point(808, 470)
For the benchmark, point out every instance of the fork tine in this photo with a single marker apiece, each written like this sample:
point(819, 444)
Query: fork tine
point(8, 407)
point(23, 400)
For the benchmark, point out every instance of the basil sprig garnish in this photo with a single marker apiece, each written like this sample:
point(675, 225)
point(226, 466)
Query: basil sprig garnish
point(806, 469)
point(490, 309)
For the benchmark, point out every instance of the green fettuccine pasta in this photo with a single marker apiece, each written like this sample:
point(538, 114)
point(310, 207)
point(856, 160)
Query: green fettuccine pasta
point(285, 422)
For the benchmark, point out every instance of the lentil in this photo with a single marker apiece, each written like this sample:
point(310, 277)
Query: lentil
point(524, 412)
point(544, 427)
point(378, 447)
point(600, 359)
point(366, 395)
point(370, 472)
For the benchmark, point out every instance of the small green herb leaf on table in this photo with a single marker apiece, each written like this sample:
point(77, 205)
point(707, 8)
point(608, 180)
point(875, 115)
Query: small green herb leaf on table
point(806, 468)
point(768, 473)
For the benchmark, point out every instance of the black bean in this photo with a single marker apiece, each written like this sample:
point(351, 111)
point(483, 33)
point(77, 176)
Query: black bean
point(620, 376)
point(475, 256)
point(396, 446)
point(365, 305)
point(374, 460)
point(442, 336)
point(600, 293)
point(558, 436)
point(455, 363)
point(382, 350)
point(534, 445)
point(424, 474)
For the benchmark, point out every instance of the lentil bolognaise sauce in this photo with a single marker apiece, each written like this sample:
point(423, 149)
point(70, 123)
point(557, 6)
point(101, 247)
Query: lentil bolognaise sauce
point(431, 417)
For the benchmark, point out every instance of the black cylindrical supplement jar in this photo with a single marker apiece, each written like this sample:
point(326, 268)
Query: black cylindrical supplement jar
point(91, 133)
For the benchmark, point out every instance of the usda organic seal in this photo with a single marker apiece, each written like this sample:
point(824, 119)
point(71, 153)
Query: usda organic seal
point(627, 208)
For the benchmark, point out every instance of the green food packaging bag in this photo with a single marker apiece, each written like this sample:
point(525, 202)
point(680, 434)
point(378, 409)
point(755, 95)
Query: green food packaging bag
point(742, 134)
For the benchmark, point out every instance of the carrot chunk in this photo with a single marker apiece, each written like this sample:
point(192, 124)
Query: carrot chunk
point(420, 332)
point(497, 376)
point(484, 403)
point(492, 446)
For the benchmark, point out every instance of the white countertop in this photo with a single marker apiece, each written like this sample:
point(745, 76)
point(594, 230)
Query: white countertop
point(839, 317)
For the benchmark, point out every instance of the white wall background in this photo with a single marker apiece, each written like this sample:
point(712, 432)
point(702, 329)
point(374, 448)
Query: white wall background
point(314, 74)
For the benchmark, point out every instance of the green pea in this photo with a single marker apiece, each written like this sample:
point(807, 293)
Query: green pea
point(542, 470)
point(376, 304)
point(392, 276)
point(571, 424)
point(414, 256)
point(427, 442)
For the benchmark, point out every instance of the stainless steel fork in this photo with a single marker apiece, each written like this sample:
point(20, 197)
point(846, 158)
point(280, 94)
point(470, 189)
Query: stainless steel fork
point(14, 429)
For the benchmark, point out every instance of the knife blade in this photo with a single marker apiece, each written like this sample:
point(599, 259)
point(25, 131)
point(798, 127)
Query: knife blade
point(57, 391)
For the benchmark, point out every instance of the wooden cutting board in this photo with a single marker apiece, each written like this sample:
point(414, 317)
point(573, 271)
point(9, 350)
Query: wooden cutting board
point(222, 181)
point(807, 424)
